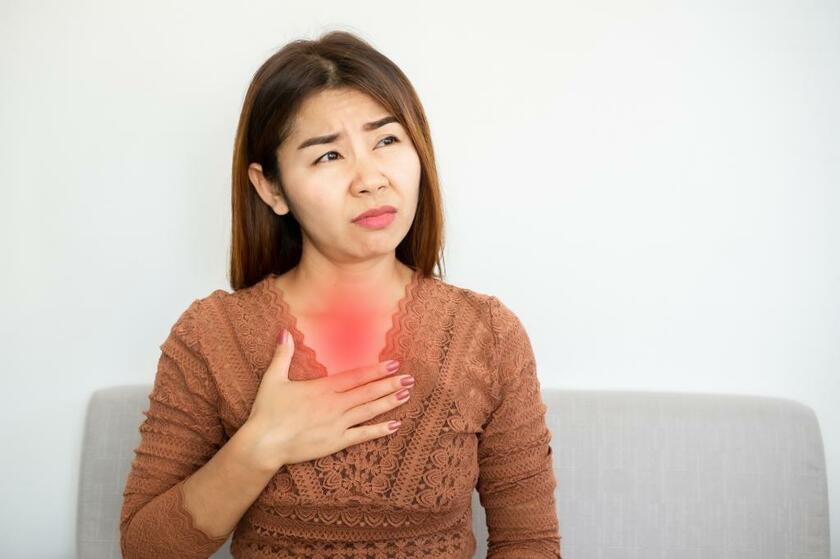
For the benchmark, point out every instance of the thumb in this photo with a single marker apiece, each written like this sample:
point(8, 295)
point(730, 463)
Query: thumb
point(283, 351)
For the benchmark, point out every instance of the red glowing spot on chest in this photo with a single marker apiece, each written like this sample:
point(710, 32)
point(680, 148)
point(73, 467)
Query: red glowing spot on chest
point(350, 333)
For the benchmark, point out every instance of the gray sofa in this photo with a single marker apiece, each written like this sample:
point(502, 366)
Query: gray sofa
point(640, 475)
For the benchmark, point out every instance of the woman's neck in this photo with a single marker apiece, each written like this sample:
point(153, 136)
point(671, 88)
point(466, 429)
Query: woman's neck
point(314, 293)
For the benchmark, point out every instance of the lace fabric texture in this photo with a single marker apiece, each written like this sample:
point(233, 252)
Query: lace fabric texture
point(475, 419)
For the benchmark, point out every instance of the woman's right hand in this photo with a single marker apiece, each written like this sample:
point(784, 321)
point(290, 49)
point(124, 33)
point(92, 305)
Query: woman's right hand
point(297, 421)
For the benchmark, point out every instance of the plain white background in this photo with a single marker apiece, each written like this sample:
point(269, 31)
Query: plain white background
point(651, 186)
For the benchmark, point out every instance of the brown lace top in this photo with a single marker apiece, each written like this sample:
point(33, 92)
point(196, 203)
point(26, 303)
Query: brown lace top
point(475, 420)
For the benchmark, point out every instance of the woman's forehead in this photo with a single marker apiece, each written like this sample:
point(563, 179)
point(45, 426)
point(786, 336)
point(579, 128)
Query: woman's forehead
point(332, 106)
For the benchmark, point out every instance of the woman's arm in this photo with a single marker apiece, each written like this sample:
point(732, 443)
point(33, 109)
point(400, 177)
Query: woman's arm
point(516, 476)
point(186, 490)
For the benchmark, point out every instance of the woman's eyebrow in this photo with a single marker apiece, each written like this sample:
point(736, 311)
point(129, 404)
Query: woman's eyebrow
point(328, 139)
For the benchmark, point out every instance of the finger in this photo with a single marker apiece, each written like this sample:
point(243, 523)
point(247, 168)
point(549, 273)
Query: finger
point(365, 433)
point(369, 410)
point(351, 378)
point(371, 391)
point(278, 369)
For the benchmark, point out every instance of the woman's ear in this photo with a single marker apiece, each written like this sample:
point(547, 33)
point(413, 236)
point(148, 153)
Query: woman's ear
point(269, 192)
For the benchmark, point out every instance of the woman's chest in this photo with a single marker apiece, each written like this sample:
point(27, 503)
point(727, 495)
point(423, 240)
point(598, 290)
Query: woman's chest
point(343, 344)
point(429, 464)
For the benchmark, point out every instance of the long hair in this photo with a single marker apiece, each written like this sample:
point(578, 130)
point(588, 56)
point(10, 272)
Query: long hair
point(263, 242)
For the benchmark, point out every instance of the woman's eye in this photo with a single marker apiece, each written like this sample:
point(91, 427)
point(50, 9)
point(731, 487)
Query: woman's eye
point(321, 159)
point(389, 137)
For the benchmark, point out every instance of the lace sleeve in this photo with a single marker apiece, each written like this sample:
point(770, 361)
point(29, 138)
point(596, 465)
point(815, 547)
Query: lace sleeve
point(181, 432)
point(516, 477)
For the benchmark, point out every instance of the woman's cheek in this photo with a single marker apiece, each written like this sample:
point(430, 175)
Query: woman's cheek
point(406, 168)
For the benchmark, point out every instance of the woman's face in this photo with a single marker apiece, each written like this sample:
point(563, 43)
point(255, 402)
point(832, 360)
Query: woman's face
point(328, 181)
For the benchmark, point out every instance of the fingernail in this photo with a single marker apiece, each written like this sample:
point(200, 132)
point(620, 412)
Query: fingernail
point(394, 424)
point(392, 365)
point(282, 337)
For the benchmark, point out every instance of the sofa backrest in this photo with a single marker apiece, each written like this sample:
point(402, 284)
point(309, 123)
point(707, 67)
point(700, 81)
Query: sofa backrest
point(639, 475)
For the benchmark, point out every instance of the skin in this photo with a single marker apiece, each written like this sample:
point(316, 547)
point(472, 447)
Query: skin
point(347, 275)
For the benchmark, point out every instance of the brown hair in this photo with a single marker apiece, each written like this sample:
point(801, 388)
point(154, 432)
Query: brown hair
point(264, 242)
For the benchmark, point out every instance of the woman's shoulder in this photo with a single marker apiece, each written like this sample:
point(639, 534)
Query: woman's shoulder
point(490, 312)
point(256, 295)
point(219, 309)
point(461, 299)
point(490, 308)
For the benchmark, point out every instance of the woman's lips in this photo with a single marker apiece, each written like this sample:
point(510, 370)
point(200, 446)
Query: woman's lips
point(377, 221)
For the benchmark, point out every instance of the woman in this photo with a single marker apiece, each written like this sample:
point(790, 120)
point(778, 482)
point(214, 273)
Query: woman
point(288, 441)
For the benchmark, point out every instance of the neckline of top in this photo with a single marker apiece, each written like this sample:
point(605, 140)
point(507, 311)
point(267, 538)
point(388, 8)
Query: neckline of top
point(397, 320)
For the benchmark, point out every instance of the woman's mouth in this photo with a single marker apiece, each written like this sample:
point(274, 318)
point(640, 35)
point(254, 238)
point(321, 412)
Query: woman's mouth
point(377, 221)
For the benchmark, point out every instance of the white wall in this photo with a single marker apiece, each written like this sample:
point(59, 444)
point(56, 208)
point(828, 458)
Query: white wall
point(660, 175)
